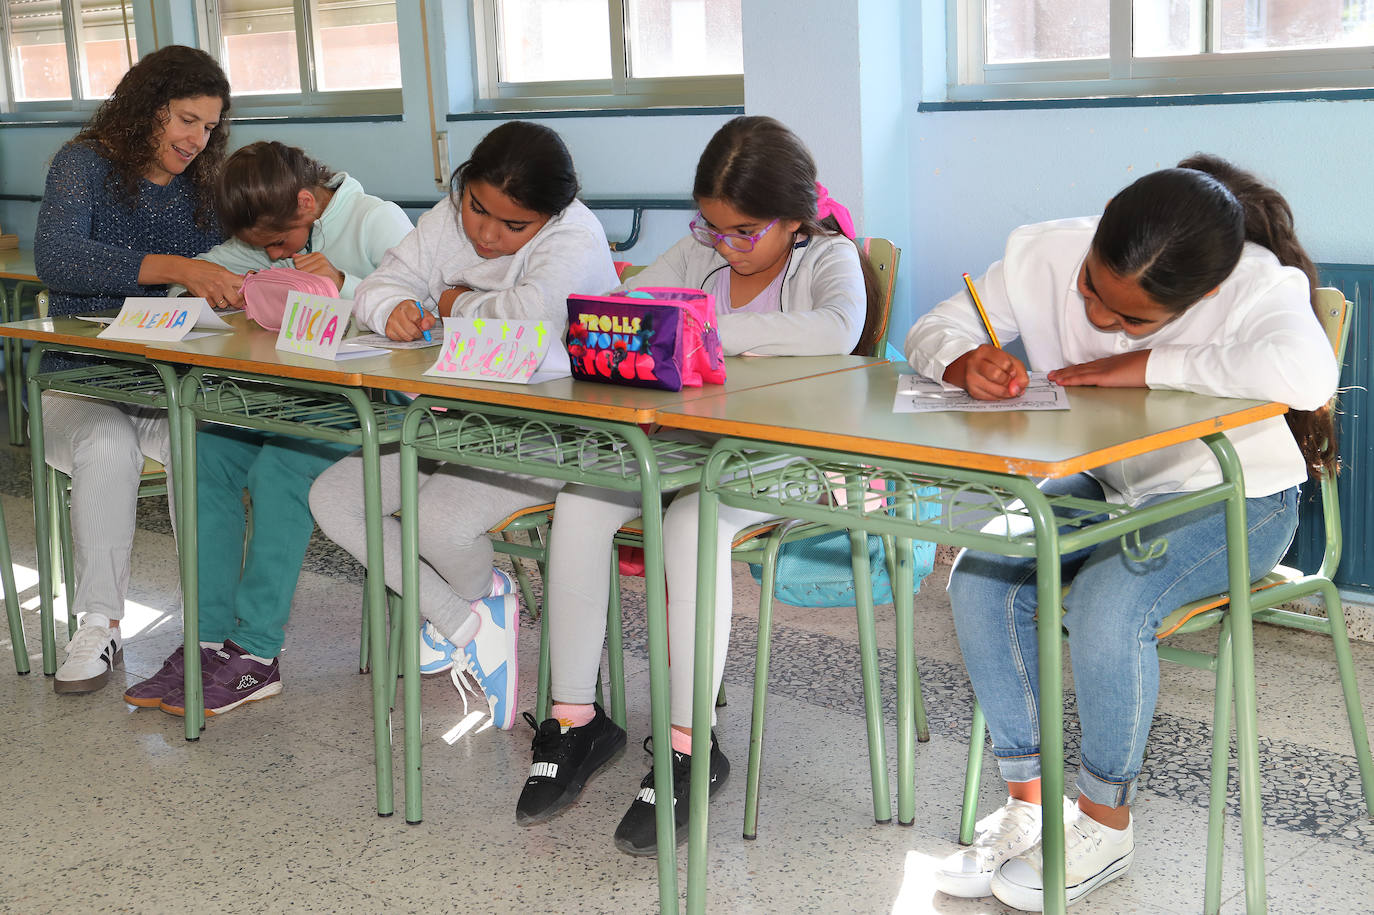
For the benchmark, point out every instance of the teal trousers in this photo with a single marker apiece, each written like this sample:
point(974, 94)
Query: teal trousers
point(246, 586)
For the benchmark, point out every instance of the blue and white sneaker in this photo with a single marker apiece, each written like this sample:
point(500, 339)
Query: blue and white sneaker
point(436, 652)
point(491, 656)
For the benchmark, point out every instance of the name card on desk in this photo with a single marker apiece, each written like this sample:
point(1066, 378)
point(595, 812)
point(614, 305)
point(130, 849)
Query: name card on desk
point(496, 349)
point(313, 325)
point(162, 319)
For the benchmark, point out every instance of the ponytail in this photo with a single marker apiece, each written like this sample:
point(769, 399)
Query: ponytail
point(1269, 222)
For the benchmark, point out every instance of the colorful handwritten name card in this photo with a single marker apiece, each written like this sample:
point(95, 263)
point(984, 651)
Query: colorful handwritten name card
point(314, 325)
point(161, 319)
point(497, 349)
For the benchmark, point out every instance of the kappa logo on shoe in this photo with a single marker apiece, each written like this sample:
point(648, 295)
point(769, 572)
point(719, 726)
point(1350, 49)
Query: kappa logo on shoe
point(246, 681)
point(544, 770)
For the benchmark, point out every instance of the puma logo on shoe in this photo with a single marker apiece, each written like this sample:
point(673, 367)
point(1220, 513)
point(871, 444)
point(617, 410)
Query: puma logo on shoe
point(544, 770)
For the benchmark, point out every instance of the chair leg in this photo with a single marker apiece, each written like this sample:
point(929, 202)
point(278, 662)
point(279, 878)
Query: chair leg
point(1340, 642)
point(62, 501)
point(1221, 759)
point(12, 615)
point(765, 639)
point(615, 643)
point(922, 724)
point(542, 700)
point(364, 642)
point(973, 772)
point(393, 609)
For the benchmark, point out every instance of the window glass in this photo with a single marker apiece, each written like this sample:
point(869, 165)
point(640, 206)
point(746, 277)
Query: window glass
point(258, 46)
point(108, 45)
point(1026, 30)
point(541, 40)
point(684, 37)
point(38, 51)
point(1258, 25)
point(356, 45)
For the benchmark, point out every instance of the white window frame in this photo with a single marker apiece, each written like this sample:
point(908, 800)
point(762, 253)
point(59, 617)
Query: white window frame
point(72, 37)
point(620, 91)
point(310, 102)
point(972, 79)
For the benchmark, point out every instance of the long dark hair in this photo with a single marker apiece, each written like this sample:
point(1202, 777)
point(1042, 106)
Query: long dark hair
point(259, 184)
point(527, 162)
point(126, 126)
point(762, 169)
point(1179, 233)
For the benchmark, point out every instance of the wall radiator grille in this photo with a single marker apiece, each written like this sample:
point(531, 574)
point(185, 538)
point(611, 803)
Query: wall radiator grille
point(1353, 426)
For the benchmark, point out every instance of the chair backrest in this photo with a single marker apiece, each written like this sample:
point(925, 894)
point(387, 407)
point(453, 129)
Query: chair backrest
point(883, 257)
point(1335, 313)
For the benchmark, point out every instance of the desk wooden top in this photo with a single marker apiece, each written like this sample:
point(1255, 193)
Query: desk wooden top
point(852, 412)
point(17, 264)
point(604, 401)
point(250, 348)
point(69, 332)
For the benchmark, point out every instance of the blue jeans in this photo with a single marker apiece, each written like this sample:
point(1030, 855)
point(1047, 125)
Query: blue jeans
point(1113, 607)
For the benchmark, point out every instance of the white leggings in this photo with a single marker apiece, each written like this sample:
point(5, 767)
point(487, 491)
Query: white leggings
point(101, 446)
point(578, 587)
point(458, 505)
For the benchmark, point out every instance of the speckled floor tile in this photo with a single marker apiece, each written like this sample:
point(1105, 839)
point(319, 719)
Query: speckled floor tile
point(274, 809)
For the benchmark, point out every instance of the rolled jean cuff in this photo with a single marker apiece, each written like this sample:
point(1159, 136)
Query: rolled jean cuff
point(1018, 765)
point(1104, 791)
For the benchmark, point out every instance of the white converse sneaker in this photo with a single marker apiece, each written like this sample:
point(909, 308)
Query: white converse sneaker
point(999, 836)
point(95, 650)
point(1094, 854)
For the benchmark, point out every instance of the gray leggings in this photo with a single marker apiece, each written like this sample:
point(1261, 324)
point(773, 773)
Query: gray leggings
point(458, 505)
point(101, 446)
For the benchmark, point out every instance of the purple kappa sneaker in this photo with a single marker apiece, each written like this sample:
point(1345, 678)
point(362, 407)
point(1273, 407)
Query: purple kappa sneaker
point(231, 678)
point(172, 675)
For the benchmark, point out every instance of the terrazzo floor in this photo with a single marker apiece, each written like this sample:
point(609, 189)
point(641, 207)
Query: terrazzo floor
point(273, 809)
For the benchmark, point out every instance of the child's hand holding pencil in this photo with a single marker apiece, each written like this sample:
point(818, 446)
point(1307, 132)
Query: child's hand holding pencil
point(988, 372)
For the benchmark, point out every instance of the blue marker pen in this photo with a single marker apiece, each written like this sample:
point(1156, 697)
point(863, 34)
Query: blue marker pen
point(428, 338)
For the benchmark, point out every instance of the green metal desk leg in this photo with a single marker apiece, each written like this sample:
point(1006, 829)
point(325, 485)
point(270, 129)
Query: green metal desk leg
point(868, 663)
point(908, 687)
point(699, 797)
point(1221, 758)
point(1243, 653)
point(185, 485)
point(410, 626)
point(1050, 638)
point(41, 518)
point(383, 682)
point(657, 619)
point(14, 375)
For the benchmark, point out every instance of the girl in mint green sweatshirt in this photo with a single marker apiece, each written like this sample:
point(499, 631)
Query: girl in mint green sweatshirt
point(282, 208)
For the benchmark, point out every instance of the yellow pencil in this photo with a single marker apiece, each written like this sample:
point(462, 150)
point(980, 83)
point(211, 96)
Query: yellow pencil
point(978, 303)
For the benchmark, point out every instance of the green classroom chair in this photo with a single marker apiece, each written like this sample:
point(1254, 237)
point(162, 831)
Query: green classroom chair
point(1282, 585)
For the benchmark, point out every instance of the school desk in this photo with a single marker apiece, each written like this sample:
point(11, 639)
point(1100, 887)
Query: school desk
point(575, 431)
point(842, 427)
point(19, 273)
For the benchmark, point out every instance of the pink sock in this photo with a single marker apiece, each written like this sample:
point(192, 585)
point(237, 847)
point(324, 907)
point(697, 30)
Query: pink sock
point(682, 742)
point(573, 716)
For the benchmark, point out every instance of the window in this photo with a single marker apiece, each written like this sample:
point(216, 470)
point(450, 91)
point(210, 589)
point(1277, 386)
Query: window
point(1038, 48)
point(64, 54)
point(607, 53)
point(320, 56)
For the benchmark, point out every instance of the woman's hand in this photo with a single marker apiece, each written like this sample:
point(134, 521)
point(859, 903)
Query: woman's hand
point(1126, 370)
point(213, 283)
point(316, 263)
point(448, 297)
point(408, 321)
point(988, 373)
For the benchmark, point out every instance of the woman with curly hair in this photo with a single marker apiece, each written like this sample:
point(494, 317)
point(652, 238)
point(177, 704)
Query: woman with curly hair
point(129, 202)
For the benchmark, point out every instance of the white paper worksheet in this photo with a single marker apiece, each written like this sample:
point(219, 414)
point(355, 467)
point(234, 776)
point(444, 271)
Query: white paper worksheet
point(916, 394)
